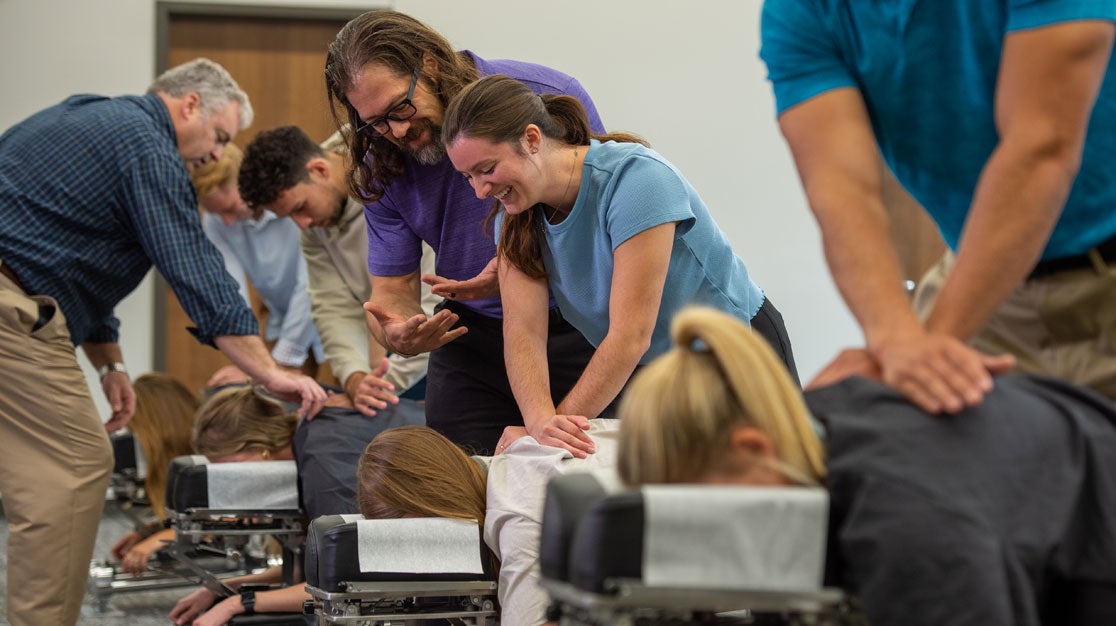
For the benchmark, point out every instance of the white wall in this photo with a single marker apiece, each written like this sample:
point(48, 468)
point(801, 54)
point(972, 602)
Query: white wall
point(684, 75)
point(687, 76)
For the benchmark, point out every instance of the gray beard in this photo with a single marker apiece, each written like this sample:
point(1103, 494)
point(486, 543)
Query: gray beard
point(430, 155)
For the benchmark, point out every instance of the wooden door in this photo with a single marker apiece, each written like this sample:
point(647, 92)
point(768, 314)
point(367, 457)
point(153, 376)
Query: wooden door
point(278, 60)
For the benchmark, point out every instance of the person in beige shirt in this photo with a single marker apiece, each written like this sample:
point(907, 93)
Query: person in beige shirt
point(287, 172)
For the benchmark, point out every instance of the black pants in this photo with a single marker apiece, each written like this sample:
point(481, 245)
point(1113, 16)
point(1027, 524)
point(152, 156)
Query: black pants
point(768, 322)
point(1080, 603)
point(468, 396)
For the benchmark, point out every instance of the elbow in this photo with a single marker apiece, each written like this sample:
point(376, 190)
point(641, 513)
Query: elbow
point(1049, 153)
point(1060, 159)
point(630, 344)
point(855, 203)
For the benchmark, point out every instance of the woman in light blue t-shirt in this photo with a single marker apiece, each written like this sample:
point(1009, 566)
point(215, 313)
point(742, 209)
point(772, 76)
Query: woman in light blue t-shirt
point(616, 233)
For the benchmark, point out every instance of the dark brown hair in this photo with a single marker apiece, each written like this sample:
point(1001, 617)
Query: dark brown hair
point(499, 108)
point(402, 44)
point(274, 162)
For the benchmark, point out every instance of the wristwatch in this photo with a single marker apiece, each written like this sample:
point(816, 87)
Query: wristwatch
point(111, 367)
point(248, 601)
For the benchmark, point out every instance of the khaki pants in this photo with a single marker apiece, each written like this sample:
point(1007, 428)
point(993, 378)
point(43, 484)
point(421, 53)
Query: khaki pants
point(55, 462)
point(1062, 325)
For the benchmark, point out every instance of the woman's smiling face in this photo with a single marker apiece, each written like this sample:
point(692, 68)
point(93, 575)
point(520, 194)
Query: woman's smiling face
point(498, 170)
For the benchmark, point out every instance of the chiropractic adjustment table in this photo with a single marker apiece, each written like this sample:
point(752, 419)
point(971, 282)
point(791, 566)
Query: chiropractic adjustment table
point(128, 494)
point(222, 514)
point(129, 472)
point(398, 571)
point(672, 554)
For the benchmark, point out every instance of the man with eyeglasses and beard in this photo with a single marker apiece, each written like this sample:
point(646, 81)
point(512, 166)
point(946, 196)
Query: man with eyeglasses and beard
point(390, 77)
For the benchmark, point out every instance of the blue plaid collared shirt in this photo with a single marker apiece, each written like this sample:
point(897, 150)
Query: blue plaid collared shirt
point(93, 191)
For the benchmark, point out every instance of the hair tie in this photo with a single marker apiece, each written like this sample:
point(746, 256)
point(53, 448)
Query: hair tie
point(697, 344)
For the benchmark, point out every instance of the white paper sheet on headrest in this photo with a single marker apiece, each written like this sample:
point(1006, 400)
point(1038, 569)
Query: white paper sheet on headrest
point(425, 545)
point(253, 485)
point(758, 538)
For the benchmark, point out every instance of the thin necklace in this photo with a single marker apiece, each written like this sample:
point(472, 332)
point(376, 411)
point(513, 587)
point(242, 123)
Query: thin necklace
point(573, 165)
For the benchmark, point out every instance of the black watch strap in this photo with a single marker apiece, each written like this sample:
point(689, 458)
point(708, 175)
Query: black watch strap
point(248, 601)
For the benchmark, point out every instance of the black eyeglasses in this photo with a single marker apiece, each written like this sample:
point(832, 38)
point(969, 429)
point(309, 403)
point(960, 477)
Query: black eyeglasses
point(405, 110)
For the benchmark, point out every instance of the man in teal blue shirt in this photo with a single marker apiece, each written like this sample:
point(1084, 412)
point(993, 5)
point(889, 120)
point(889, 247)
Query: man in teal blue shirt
point(998, 118)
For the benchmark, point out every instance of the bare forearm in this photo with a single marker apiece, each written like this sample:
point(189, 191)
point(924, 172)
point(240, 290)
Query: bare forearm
point(526, 328)
point(399, 296)
point(605, 376)
point(842, 173)
point(285, 600)
point(639, 275)
point(101, 354)
point(1017, 203)
point(865, 267)
point(528, 375)
point(250, 354)
point(1048, 83)
point(269, 575)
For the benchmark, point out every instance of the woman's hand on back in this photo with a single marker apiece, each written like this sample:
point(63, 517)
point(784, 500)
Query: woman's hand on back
point(564, 431)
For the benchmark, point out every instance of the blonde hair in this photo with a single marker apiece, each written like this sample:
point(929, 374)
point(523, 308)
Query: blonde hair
point(239, 419)
point(214, 175)
point(163, 425)
point(678, 413)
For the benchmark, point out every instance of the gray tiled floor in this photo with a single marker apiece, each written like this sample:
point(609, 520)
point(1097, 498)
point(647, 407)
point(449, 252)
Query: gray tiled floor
point(146, 608)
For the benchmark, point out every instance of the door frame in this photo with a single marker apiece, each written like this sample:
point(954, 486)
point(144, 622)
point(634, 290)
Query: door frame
point(164, 13)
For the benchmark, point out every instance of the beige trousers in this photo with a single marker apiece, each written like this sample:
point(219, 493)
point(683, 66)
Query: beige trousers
point(55, 462)
point(1062, 325)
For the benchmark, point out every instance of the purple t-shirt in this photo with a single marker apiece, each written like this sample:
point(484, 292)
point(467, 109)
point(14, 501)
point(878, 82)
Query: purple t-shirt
point(435, 204)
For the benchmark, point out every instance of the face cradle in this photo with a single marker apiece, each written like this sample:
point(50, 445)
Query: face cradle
point(225, 202)
point(241, 457)
point(497, 170)
point(376, 90)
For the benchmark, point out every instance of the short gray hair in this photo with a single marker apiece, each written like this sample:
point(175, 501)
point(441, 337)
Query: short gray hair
point(213, 84)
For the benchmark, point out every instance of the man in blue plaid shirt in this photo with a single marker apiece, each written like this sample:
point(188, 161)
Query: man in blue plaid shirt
point(93, 192)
